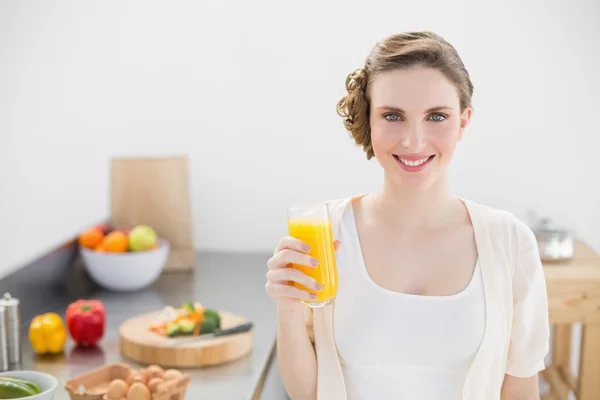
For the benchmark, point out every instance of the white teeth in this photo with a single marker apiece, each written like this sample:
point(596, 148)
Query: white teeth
point(413, 163)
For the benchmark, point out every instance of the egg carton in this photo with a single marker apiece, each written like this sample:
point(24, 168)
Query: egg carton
point(93, 385)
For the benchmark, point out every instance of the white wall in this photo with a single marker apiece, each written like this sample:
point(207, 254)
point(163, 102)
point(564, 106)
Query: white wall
point(248, 90)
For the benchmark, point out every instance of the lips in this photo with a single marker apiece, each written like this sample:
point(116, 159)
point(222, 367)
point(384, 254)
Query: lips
point(414, 163)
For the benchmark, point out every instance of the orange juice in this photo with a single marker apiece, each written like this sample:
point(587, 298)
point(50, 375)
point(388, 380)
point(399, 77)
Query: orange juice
point(316, 232)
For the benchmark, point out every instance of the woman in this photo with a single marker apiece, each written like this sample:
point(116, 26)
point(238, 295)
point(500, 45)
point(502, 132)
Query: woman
point(439, 297)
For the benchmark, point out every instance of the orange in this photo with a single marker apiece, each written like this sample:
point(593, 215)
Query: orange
point(91, 238)
point(115, 242)
point(101, 247)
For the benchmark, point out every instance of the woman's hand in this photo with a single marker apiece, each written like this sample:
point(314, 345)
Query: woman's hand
point(279, 276)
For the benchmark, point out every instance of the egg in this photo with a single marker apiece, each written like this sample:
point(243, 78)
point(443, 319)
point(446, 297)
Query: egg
point(153, 384)
point(145, 374)
point(136, 377)
point(154, 371)
point(161, 388)
point(171, 374)
point(117, 389)
point(139, 391)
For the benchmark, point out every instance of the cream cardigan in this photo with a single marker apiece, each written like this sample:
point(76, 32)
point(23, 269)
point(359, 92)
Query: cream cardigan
point(516, 337)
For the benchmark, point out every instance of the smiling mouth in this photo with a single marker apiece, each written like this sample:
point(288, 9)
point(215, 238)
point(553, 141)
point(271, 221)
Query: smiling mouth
point(415, 163)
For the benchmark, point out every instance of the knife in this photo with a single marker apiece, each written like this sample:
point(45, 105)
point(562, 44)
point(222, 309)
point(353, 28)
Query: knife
point(217, 333)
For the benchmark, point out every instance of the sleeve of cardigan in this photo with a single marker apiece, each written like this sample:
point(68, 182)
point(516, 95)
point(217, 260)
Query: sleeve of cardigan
point(530, 336)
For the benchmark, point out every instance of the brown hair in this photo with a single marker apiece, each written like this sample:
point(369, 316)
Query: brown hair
point(394, 52)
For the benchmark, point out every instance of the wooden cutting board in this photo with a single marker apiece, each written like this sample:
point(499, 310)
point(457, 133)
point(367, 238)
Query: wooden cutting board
point(138, 344)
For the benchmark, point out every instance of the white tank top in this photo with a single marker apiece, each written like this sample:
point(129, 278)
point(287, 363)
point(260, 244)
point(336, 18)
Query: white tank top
point(402, 346)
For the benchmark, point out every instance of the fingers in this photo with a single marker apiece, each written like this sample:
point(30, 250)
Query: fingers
point(290, 274)
point(292, 251)
point(292, 243)
point(278, 290)
point(289, 256)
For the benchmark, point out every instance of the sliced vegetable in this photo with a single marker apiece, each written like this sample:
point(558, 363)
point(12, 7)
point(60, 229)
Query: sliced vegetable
point(168, 314)
point(214, 315)
point(208, 326)
point(172, 329)
point(187, 320)
point(188, 308)
point(187, 326)
point(36, 388)
point(15, 390)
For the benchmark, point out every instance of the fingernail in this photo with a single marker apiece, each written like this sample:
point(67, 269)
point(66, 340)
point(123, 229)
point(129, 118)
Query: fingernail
point(313, 296)
point(314, 262)
point(306, 247)
point(318, 287)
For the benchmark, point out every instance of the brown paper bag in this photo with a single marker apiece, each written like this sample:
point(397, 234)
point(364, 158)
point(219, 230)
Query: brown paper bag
point(156, 192)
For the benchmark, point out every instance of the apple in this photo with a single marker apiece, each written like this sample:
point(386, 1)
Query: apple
point(142, 238)
point(105, 229)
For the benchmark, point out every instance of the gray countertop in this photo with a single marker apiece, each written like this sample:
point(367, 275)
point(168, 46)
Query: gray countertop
point(225, 281)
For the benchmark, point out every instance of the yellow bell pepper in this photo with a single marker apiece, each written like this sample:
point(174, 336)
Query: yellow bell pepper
point(47, 334)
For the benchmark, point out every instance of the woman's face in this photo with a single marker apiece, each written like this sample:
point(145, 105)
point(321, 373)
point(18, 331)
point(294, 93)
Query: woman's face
point(415, 124)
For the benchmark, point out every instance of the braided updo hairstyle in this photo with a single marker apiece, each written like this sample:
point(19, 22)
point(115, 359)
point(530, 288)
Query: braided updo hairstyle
point(396, 52)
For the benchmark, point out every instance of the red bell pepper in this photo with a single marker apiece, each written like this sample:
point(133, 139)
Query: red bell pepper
point(86, 320)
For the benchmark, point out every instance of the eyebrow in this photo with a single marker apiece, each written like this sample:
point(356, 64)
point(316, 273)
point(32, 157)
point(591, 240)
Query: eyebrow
point(401, 111)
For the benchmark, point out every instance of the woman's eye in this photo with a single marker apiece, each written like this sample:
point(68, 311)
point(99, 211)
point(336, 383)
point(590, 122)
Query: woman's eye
point(438, 117)
point(392, 117)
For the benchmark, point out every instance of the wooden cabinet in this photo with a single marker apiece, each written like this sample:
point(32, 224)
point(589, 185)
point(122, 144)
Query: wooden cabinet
point(574, 297)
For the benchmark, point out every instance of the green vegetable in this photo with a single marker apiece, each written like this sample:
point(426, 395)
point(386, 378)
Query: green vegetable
point(172, 329)
point(212, 314)
point(36, 388)
point(188, 308)
point(208, 326)
point(10, 389)
point(187, 326)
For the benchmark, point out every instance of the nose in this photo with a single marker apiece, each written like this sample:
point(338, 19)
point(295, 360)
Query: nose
point(413, 139)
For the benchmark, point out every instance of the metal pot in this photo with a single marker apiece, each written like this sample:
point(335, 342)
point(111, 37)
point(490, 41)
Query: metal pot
point(555, 244)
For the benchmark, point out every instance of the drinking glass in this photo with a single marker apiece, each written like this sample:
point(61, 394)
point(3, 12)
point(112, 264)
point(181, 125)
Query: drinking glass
point(312, 225)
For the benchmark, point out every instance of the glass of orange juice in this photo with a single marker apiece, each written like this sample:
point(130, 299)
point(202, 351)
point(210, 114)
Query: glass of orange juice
point(312, 225)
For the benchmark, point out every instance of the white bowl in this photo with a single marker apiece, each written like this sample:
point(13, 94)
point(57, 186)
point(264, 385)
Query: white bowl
point(47, 383)
point(126, 272)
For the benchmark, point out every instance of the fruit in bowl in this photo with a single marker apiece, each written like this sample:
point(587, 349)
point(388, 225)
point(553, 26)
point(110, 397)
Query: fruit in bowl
point(91, 238)
point(103, 238)
point(104, 228)
point(125, 259)
point(126, 271)
point(142, 238)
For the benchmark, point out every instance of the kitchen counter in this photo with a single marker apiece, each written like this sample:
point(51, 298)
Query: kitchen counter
point(224, 281)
